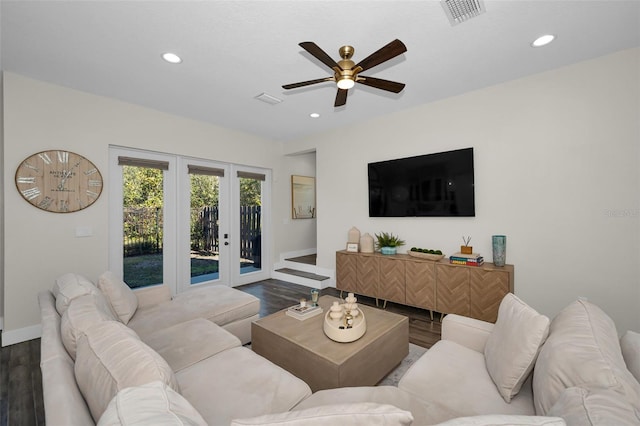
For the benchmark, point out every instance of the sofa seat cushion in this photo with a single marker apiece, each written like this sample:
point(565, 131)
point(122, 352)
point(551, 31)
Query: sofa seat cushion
point(582, 350)
point(69, 286)
point(238, 383)
point(82, 313)
point(504, 420)
point(189, 342)
point(456, 377)
point(630, 345)
point(219, 304)
point(424, 412)
point(153, 404)
point(229, 304)
point(594, 407)
point(111, 357)
point(122, 299)
point(513, 345)
point(357, 414)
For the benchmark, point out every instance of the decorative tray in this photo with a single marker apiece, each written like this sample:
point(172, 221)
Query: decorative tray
point(425, 255)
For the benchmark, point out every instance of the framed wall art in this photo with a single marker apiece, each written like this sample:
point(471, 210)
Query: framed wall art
point(303, 197)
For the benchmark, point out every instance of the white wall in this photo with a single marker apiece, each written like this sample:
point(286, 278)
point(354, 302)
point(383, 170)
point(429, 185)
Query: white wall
point(1, 190)
point(40, 246)
point(294, 235)
point(556, 170)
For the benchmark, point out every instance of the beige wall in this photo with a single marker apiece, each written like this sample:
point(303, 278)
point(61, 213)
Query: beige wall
point(39, 246)
point(557, 160)
point(294, 235)
point(1, 201)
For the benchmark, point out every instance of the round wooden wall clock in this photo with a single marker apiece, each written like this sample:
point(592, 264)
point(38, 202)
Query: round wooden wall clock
point(59, 181)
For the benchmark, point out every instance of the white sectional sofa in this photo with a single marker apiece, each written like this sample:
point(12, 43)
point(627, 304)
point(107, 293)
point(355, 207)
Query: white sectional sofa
point(99, 340)
point(523, 370)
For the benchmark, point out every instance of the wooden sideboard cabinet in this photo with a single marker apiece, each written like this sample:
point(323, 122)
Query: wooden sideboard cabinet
point(474, 291)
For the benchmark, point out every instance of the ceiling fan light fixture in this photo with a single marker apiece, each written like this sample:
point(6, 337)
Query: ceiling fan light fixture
point(459, 11)
point(345, 82)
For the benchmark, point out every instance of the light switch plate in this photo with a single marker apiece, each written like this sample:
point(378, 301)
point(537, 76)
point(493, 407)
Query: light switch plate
point(83, 231)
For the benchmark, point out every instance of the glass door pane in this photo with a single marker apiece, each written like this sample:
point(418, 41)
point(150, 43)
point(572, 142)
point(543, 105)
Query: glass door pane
point(143, 226)
point(250, 211)
point(204, 254)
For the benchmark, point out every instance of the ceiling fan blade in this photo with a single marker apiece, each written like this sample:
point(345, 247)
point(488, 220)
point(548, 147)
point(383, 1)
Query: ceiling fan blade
point(319, 54)
point(341, 97)
point(306, 83)
point(391, 50)
point(378, 83)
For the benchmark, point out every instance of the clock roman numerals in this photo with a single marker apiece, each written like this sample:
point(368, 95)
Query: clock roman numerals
point(31, 193)
point(46, 203)
point(94, 182)
point(21, 179)
point(31, 166)
point(63, 157)
point(45, 157)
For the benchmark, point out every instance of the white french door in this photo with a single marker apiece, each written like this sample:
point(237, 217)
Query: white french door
point(187, 222)
point(250, 208)
point(203, 223)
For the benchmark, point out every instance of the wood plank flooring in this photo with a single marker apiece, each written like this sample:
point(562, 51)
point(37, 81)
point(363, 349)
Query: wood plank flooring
point(275, 295)
point(21, 380)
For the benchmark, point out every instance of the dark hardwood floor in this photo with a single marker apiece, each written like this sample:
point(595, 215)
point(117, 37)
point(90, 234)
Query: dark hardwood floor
point(21, 380)
point(275, 295)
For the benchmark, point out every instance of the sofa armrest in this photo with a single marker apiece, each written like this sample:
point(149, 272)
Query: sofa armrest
point(466, 331)
point(153, 295)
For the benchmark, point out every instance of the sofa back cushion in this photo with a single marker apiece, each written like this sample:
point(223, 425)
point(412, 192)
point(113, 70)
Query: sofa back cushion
point(69, 286)
point(111, 357)
point(153, 404)
point(630, 345)
point(513, 345)
point(594, 407)
point(582, 350)
point(122, 299)
point(82, 313)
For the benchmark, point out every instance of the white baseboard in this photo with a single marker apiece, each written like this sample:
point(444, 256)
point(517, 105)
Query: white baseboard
point(21, 335)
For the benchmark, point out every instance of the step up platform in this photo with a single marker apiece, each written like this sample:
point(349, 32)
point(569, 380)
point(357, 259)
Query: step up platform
point(303, 274)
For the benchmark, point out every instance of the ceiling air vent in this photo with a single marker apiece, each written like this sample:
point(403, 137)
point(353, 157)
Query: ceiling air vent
point(459, 11)
point(271, 100)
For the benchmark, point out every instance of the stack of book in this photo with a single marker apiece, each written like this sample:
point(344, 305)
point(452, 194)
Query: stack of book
point(473, 259)
point(303, 312)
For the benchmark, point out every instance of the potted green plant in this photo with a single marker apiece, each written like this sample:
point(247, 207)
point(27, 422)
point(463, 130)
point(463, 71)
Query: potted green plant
point(388, 243)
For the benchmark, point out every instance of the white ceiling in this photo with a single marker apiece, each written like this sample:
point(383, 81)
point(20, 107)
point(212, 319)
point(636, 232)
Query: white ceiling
point(235, 50)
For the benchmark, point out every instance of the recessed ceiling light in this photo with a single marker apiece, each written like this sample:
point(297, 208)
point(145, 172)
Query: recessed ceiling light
point(172, 58)
point(314, 115)
point(543, 40)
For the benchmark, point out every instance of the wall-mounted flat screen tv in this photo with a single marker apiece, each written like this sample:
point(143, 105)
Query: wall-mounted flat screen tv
point(438, 185)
